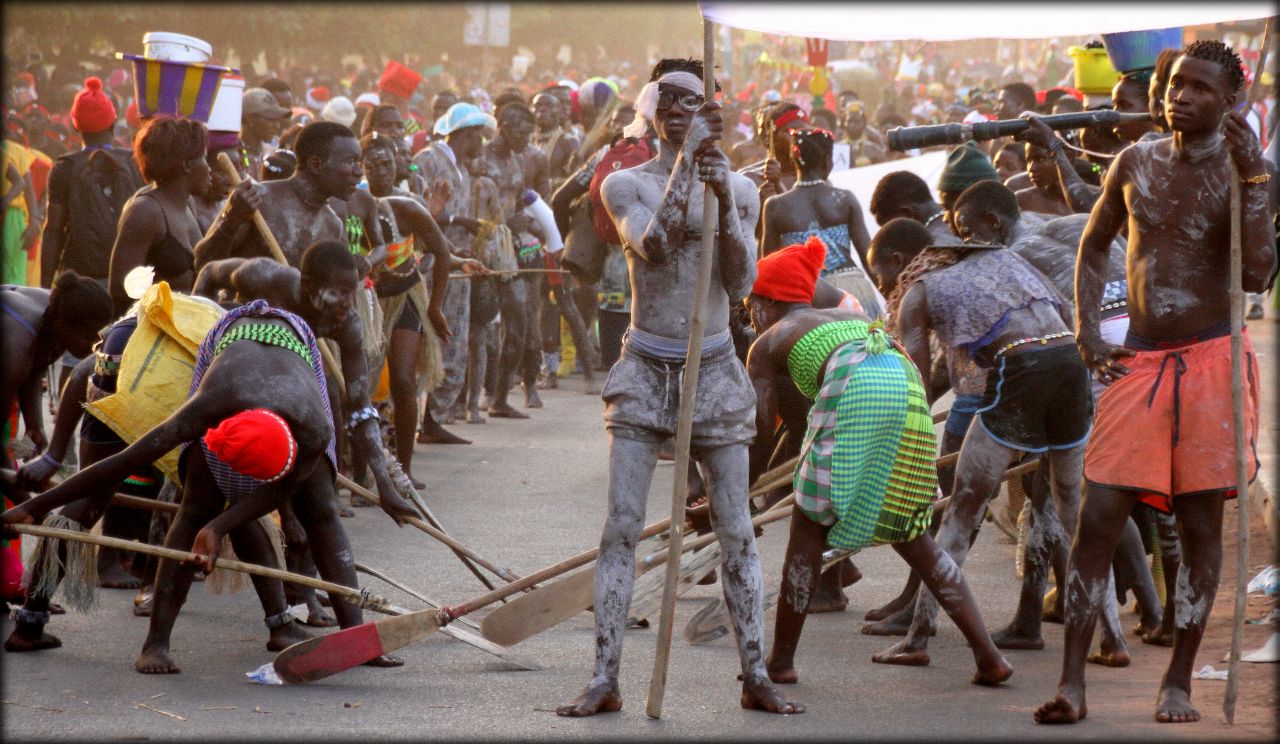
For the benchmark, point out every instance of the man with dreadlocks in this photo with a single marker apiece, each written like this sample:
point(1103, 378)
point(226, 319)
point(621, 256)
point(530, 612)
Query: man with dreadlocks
point(1159, 435)
point(987, 302)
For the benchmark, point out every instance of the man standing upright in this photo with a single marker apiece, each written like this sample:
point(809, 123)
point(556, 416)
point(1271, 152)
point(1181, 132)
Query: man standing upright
point(657, 208)
point(1159, 435)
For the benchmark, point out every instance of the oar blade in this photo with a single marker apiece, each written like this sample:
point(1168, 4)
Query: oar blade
point(551, 604)
point(317, 658)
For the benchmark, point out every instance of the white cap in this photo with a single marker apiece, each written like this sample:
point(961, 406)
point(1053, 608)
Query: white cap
point(339, 109)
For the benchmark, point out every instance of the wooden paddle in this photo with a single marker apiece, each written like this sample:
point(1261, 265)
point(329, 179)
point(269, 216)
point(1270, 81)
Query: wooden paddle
point(320, 657)
point(558, 601)
point(264, 230)
point(712, 621)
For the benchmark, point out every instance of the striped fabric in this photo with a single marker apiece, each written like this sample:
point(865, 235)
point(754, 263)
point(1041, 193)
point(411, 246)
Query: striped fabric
point(866, 467)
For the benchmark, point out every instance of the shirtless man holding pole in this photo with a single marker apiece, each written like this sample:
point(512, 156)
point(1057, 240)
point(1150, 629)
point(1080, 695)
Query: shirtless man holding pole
point(657, 207)
point(1162, 432)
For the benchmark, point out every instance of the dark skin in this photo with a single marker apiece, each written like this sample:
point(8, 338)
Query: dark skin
point(825, 204)
point(296, 209)
point(1078, 194)
point(142, 225)
point(781, 326)
point(548, 115)
point(402, 351)
point(53, 239)
point(1045, 195)
point(207, 207)
point(779, 174)
point(1178, 287)
point(244, 376)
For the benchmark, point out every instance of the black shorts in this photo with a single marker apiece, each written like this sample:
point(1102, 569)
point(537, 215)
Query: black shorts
point(408, 320)
point(1038, 400)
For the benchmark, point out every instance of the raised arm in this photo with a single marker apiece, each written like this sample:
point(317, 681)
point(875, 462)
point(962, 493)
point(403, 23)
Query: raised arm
point(232, 226)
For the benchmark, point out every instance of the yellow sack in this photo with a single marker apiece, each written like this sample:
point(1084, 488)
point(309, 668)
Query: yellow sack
point(156, 368)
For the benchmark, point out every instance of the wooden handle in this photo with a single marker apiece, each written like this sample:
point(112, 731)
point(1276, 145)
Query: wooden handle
point(456, 546)
point(270, 239)
point(355, 596)
point(684, 421)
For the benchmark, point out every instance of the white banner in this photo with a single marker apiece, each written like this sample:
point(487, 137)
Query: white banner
point(933, 21)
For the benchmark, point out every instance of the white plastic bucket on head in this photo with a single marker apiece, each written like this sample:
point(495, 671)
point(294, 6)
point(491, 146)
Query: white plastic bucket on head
point(173, 47)
point(225, 114)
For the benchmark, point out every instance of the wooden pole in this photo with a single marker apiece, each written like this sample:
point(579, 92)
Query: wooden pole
point(270, 239)
point(355, 596)
point(684, 423)
point(1236, 270)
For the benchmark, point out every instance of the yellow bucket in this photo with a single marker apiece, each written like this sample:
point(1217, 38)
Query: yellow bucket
point(1094, 72)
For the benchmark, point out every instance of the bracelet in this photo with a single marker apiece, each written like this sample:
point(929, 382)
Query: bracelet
point(1256, 179)
point(278, 621)
point(29, 617)
point(45, 456)
point(360, 416)
point(1055, 146)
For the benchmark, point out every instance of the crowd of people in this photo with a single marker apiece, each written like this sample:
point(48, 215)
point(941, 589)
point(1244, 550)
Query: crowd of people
point(401, 262)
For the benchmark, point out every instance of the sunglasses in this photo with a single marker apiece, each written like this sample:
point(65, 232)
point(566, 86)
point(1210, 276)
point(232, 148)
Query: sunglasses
point(690, 102)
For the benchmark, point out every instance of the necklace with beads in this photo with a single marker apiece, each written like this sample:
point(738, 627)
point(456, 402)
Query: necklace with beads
point(931, 220)
point(814, 182)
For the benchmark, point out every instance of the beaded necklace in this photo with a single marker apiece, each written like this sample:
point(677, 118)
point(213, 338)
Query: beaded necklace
point(268, 334)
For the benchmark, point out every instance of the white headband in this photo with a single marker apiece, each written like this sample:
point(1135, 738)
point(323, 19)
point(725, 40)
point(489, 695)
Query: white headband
point(647, 101)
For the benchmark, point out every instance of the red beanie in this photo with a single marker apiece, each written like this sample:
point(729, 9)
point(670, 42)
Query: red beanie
point(131, 116)
point(92, 111)
point(791, 274)
point(257, 443)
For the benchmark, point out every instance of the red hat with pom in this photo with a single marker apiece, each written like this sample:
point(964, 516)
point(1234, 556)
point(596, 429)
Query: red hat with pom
point(257, 443)
point(791, 274)
point(92, 111)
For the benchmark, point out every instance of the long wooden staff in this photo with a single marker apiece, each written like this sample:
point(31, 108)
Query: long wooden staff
point(684, 422)
point(264, 230)
point(1236, 268)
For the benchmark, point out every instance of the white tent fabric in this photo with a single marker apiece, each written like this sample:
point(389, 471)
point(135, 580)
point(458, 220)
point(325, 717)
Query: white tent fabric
point(934, 21)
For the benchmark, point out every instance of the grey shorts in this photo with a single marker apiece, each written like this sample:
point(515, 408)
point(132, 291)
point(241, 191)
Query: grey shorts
point(642, 400)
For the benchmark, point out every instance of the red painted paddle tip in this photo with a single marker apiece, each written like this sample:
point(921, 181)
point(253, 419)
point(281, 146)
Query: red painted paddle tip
point(321, 657)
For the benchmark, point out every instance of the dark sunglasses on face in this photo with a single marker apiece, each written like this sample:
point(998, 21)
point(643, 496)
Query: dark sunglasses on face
point(688, 101)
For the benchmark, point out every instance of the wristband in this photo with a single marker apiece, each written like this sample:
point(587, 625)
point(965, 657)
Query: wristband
point(1259, 179)
point(280, 620)
point(360, 416)
point(45, 456)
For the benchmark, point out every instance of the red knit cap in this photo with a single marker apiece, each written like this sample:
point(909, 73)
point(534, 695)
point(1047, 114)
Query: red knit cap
point(791, 274)
point(92, 111)
point(257, 443)
point(131, 116)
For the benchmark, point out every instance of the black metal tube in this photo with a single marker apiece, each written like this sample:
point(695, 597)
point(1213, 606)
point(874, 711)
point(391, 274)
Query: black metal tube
point(908, 138)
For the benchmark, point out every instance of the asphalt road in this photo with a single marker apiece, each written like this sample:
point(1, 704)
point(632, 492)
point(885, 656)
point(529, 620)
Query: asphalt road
point(527, 494)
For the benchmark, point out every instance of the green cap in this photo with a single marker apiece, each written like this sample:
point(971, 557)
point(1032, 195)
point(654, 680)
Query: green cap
point(966, 165)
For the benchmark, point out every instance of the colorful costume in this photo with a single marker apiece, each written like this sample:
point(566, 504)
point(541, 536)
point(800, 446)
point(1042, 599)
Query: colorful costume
point(840, 269)
point(1164, 429)
point(866, 466)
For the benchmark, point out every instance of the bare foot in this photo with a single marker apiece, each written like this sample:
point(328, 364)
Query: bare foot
point(1051, 610)
point(155, 660)
point(758, 693)
point(114, 576)
point(18, 644)
point(436, 434)
point(896, 624)
point(385, 661)
point(902, 654)
point(850, 575)
point(1116, 658)
point(896, 605)
point(1067, 707)
point(1174, 706)
point(504, 410)
point(531, 399)
point(344, 511)
point(1015, 640)
point(1159, 637)
point(57, 609)
point(287, 635)
point(550, 382)
point(781, 673)
point(474, 417)
point(598, 697)
point(316, 616)
point(828, 603)
point(992, 673)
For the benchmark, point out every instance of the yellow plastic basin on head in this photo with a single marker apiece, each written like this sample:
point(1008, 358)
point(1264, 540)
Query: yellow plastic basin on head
point(1094, 72)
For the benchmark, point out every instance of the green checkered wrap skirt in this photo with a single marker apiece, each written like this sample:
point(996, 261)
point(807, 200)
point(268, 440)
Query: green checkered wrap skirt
point(867, 463)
